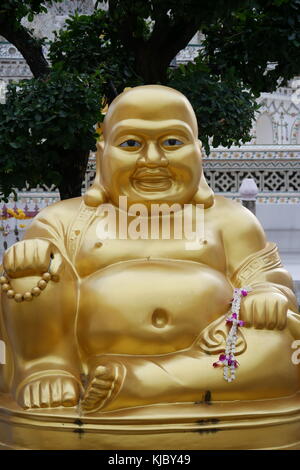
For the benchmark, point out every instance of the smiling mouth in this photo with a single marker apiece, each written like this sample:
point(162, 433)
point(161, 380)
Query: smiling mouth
point(152, 179)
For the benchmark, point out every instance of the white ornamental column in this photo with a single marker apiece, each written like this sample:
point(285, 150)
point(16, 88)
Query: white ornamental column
point(248, 192)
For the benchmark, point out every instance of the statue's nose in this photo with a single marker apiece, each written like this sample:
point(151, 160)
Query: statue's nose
point(153, 156)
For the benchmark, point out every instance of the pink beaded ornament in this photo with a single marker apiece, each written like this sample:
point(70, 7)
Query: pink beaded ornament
point(227, 359)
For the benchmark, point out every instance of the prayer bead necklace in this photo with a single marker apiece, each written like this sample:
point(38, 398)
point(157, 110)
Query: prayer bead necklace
point(28, 295)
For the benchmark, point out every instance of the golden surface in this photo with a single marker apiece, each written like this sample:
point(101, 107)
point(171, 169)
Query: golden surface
point(273, 424)
point(132, 327)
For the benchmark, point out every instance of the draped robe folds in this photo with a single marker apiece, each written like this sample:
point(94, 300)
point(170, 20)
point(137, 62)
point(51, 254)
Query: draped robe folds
point(261, 269)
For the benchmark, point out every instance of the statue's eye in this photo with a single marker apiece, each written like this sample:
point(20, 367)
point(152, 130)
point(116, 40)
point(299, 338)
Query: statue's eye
point(172, 142)
point(130, 143)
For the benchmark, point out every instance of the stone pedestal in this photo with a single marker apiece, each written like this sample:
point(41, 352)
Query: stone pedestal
point(224, 425)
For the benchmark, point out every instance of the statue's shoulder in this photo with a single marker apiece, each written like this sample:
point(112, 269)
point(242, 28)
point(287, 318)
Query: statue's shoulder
point(231, 208)
point(60, 215)
point(235, 220)
point(66, 209)
point(233, 214)
point(55, 220)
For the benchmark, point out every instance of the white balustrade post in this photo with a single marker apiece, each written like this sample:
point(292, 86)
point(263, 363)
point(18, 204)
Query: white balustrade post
point(248, 192)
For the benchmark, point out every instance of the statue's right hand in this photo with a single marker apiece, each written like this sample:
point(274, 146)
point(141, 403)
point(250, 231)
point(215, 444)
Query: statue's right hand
point(30, 258)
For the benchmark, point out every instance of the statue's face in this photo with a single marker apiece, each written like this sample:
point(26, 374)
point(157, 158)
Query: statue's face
point(150, 150)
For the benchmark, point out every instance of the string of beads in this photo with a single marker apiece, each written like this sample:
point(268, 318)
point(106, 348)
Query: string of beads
point(28, 295)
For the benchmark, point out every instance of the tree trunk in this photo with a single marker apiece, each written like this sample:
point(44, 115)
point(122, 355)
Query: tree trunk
point(154, 54)
point(152, 68)
point(72, 174)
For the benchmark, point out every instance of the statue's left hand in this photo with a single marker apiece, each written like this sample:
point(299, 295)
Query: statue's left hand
point(264, 309)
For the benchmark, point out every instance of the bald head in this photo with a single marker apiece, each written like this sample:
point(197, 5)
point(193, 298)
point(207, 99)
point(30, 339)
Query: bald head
point(150, 152)
point(151, 103)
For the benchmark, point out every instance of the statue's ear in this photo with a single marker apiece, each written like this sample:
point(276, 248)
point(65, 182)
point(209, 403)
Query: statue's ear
point(204, 194)
point(95, 195)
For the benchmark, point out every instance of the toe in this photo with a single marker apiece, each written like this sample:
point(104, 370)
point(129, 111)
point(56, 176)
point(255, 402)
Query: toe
point(45, 398)
point(55, 392)
point(69, 393)
point(35, 394)
point(25, 401)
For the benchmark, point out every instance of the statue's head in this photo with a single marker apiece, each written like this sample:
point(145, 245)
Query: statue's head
point(150, 151)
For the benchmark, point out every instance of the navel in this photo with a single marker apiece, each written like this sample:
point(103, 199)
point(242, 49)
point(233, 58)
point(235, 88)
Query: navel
point(160, 318)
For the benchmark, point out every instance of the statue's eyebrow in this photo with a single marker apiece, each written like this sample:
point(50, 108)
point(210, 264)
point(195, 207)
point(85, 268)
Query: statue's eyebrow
point(133, 126)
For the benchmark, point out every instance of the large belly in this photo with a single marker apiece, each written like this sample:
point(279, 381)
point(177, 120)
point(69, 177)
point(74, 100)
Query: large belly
point(149, 307)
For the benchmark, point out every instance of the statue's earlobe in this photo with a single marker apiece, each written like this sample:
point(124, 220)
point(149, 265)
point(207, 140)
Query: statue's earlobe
point(96, 195)
point(204, 194)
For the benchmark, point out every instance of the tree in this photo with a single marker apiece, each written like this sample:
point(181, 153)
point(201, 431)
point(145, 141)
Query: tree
point(223, 107)
point(88, 44)
point(11, 14)
point(47, 131)
point(154, 31)
point(262, 44)
point(134, 42)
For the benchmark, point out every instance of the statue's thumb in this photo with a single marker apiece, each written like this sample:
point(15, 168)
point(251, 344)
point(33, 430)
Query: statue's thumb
point(57, 262)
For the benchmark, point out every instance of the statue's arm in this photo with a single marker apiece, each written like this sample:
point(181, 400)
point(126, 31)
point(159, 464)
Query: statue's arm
point(40, 333)
point(255, 263)
point(53, 223)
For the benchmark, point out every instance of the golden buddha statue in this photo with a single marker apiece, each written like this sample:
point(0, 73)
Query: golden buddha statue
point(135, 336)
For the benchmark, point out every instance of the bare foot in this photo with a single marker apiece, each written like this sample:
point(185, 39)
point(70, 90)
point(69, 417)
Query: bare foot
point(106, 381)
point(49, 392)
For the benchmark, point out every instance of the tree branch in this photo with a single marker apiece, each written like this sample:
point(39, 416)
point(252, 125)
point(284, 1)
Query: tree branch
point(126, 25)
point(30, 49)
point(169, 38)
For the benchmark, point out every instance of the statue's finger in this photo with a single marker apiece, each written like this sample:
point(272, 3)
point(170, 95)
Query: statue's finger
point(17, 257)
point(12, 260)
point(28, 256)
point(7, 261)
point(247, 313)
point(43, 251)
point(271, 317)
point(57, 262)
point(260, 314)
point(281, 315)
point(251, 313)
